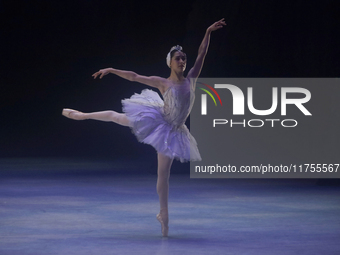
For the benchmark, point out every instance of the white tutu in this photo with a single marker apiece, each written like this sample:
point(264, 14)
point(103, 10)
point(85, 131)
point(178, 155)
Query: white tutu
point(161, 123)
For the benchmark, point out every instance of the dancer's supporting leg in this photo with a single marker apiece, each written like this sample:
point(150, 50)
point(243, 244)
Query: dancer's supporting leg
point(164, 165)
point(119, 118)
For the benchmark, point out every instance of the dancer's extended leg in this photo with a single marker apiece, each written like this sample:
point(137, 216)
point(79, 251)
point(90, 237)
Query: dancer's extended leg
point(164, 165)
point(119, 118)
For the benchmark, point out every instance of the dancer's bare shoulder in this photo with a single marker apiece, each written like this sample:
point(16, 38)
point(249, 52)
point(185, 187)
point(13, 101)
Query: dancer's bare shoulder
point(152, 81)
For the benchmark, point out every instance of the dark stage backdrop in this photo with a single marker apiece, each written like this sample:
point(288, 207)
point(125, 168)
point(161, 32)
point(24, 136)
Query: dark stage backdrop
point(50, 49)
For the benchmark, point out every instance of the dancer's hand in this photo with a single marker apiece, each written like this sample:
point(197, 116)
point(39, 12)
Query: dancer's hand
point(102, 73)
point(217, 25)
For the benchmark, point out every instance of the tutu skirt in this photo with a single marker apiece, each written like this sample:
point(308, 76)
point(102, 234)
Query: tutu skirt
point(147, 121)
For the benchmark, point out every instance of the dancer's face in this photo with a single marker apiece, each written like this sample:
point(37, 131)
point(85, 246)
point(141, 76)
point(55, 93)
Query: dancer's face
point(179, 61)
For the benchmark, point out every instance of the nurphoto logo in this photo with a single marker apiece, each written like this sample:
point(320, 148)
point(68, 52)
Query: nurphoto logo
point(238, 100)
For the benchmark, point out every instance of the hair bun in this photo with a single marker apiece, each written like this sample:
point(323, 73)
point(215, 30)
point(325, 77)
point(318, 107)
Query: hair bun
point(177, 47)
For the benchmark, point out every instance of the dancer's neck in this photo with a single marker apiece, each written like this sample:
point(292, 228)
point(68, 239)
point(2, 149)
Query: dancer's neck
point(176, 77)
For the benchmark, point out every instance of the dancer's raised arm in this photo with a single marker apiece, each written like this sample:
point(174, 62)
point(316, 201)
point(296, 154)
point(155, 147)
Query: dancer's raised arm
point(203, 49)
point(153, 81)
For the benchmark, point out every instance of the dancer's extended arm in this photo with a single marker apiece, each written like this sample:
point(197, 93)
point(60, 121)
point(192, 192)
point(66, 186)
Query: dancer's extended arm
point(203, 49)
point(153, 81)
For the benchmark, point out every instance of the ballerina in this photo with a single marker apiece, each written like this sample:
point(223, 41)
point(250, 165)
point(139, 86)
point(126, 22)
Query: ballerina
point(158, 122)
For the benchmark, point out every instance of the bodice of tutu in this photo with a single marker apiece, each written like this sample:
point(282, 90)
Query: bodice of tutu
point(178, 101)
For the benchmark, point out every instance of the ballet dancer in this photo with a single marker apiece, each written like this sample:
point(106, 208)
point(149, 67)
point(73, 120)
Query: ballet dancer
point(158, 122)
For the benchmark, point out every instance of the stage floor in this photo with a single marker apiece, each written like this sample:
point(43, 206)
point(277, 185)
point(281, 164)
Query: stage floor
point(116, 214)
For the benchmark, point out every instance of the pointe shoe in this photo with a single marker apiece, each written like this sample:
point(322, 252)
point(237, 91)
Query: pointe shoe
point(72, 114)
point(164, 225)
